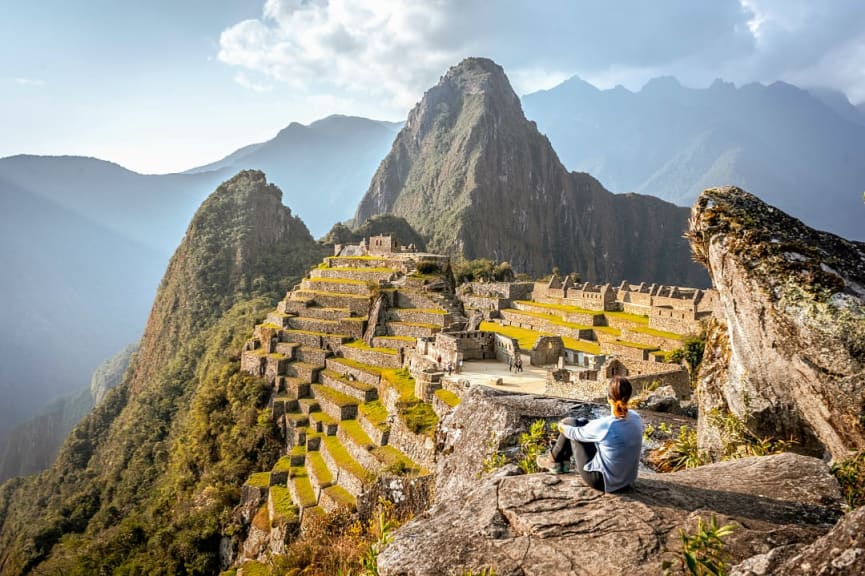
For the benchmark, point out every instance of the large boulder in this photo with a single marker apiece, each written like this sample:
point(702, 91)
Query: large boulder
point(787, 359)
point(544, 524)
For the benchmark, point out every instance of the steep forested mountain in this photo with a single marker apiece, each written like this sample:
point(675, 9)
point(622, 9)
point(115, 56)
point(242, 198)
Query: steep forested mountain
point(142, 484)
point(476, 179)
point(796, 150)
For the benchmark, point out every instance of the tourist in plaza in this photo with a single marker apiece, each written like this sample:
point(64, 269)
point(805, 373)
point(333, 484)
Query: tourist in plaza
point(606, 450)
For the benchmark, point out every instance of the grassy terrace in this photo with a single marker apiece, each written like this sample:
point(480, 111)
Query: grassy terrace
point(356, 384)
point(324, 418)
point(354, 431)
point(402, 380)
point(527, 338)
point(283, 505)
point(381, 269)
point(282, 465)
point(419, 416)
point(397, 338)
point(321, 334)
point(359, 365)
point(317, 466)
point(304, 491)
point(259, 480)
point(418, 325)
point(271, 325)
point(298, 450)
point(426, 310)
point(343, 458)
point(335, 294)
point(659, 333)
point(447, 397)
point(334, 396)
point(375, 413)
point(397, 462)
point(577, 310)
point(341, 496)
point(361, 345)
point(337, 281)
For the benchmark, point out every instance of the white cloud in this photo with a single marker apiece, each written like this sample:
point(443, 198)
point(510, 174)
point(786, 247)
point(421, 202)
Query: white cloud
point(29, 81)
point(390, 51)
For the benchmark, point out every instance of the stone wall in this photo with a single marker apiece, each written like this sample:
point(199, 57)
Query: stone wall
point(543, 325)
point(677, 379)
point(547, 350)
point(504, 290)
point(650, 339)
point(629, 352)
point(474, 302)
point(453, 346)
point(505, 347)
point(586, 319)
point(410, 496)
point(373, 357)
point(252, 362)
point(354, 274)
point(671, 320)
point(321, 285)
point(419, 315)
point(363, 376)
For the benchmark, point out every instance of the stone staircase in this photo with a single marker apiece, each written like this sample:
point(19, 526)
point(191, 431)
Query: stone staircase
point(328, 387)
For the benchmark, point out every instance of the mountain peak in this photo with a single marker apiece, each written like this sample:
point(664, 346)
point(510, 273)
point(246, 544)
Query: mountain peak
point(478, 76)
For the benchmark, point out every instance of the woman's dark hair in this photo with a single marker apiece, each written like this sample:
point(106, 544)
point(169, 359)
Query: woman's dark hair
point(619, 394)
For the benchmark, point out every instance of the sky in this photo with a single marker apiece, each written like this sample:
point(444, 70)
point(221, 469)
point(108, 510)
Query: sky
point(165, 85)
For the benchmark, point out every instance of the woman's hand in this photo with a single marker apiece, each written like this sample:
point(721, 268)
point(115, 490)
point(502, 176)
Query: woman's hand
point(561, 428)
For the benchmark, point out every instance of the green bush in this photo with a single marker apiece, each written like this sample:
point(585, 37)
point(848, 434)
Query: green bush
point(703, 553)
point(532, 444)
point(851, 476)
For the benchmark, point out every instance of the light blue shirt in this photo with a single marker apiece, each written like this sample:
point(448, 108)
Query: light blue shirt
point(619, 441)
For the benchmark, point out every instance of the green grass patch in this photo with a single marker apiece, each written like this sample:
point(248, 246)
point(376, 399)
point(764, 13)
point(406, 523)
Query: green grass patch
point(426, 310)
point(343, 459)
point(341, 496)
point(375, 269)
point(297, 417)
point(277, 356)
point(560, 307)
point(402, 380)
point(324, 418)
point(282, 465)
point(357, 384)
point(271, 325)
point(298, 450)
point(259, 480)
point(525, 337)
point(418, 325)
point(355, 431)
point(397, 338)
point(283, 505)
point(333, 396)
point(335, 294)
point(607, 330)
point(319, 468)
point(361, 345)
point(448, 397)
point(420, 418)
point(581, 346)
point(397, 462)
point(375, 413)
point(296, 471)
point(253, 568)
point(359, 365)
point(304, 491)
point(339, 281)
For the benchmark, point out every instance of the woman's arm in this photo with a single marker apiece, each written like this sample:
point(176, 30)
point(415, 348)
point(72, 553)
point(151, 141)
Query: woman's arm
point(595, 431)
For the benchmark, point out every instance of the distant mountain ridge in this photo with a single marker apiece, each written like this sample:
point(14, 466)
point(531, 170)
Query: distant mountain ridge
point(477, 179)
point(323, 168)
point(801, 151)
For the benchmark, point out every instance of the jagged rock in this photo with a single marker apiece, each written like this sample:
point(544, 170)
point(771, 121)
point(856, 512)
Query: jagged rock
point(487, 421)
point(841, 552)
point(546, 524)
point(662, 400)
point(475, 178)
point(788, 357)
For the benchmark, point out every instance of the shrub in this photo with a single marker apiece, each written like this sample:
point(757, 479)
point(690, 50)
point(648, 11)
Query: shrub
point(532, 443)
point(681, 452)
point(704, 552)
point(851, 476)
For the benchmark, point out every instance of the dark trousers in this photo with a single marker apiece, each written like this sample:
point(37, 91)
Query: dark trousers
point(583, 453)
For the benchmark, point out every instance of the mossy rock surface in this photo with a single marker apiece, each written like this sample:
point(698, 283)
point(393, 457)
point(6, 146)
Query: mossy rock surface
point(447, 397)
point(343, 459)
point(375, 413)
point(259, 480)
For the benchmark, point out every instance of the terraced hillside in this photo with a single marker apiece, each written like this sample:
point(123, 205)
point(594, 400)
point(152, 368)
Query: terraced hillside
point(333, 352)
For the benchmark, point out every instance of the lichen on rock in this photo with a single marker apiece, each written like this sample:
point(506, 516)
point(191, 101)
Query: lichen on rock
point(793, 302)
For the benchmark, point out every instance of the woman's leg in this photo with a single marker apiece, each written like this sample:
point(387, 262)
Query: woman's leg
point(584, 452)
point(562, 450)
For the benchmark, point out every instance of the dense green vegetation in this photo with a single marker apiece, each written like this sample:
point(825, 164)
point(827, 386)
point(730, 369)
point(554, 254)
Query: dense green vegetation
point(482, 269)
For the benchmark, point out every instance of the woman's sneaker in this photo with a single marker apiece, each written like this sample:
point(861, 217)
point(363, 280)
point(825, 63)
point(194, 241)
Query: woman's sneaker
point(545, 462)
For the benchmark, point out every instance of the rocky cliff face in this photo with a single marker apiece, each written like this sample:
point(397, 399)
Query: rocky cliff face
point(475, 178)
point(788, 357)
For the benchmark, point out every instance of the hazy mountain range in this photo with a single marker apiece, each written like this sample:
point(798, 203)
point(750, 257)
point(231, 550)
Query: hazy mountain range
point(784, 144)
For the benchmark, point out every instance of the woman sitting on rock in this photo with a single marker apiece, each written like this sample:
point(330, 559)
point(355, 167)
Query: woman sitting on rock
point(607, 450)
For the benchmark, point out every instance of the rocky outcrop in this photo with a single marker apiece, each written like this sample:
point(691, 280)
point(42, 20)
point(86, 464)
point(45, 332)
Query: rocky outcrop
point(475, 178)
point(546, 524)
point(788, 357)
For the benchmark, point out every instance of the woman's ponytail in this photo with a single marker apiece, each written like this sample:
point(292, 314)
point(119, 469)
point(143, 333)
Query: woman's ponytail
point(620, 393)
